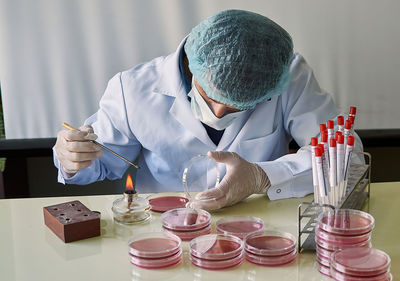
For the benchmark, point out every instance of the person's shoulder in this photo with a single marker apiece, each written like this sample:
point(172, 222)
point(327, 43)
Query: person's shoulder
point(298, 63)
point(144, 69)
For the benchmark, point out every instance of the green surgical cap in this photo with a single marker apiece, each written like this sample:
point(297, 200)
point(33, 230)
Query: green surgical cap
point(240, 58)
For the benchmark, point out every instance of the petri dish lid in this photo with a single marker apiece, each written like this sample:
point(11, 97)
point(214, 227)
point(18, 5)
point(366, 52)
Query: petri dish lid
point(270, 243)
point(324, 270)
point(343, 277)
point(201, 173)
point(162, 202)
point(154, 245)
point(216, 247)
point(360, 262)
point(185, 219)
point(239, 226)
point(272, 260)
point(337, 239)
point(189, 235)
point(333, 247)
point(217, 264)
point(157, 263)
point(346, 222)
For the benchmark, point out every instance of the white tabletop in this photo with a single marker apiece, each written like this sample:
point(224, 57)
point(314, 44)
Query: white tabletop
point(30, 251)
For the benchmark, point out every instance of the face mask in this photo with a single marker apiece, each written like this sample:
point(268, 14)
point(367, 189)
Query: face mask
point(203, 113)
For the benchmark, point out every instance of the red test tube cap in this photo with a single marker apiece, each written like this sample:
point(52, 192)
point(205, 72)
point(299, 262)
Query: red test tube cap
point(318, 152)
point(330, 124)
point(338, 133)
point(314, 141)
point(322, 127)
point(340, 120)
point(332, 143)
point(350, 140)
point(353, 110)
point(347, 125)
point(324, 137)
point(351, 119)
point(321, 147)
point(340, 139)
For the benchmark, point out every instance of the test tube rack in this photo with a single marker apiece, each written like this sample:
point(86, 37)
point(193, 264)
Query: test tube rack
point(357, 192)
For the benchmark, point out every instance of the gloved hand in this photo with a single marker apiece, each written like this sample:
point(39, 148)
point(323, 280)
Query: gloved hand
point(240, 181)
point(74, 149)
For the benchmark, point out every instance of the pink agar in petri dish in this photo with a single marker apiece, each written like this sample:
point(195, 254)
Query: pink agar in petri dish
point(346, 222)
point(165, 203)
point(239, 226)
point(360, 262)
point(341, 239)
point(324, 270)
point(189, 235)
point(216, 247)
point(333, 247)
point(343, 277)
point(272, 260)
point(185, 219)
point(323, 260)
point(270, 243)
point(157, 263)
point(217, 264)
point(154, 245)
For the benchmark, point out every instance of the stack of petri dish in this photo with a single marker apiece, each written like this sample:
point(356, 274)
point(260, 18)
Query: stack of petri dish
point(360, 264)
point(186, 223)
point(341, 229)
point(270, 248)
point(216, 251)
point(155, 250)
point(239, 226)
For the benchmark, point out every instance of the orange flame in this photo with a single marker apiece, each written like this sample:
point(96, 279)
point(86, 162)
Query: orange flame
point(129, 183)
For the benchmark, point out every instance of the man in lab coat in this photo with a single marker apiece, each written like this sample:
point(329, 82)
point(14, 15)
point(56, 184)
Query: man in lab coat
point(233, 89)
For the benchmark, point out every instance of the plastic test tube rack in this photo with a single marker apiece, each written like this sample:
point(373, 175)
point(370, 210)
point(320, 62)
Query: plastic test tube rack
point(357, 191)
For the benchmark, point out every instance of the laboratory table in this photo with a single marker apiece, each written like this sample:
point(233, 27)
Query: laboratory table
point(30, 251)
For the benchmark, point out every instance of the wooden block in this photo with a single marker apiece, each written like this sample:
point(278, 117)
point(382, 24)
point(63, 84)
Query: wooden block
point(72, 221)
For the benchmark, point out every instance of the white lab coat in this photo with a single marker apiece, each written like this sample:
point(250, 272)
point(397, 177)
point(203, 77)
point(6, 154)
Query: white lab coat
point(145, 112)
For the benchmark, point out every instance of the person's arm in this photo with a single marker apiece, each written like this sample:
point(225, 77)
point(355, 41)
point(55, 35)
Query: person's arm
point(110, 124)
point(305, 106)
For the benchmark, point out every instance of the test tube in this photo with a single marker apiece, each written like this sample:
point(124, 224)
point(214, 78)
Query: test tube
point(326, 172)
point(324, 142)
point(349, 150)
point(340, 121)
point(322, 183)
point(331, 132)
point(347, 130)
point(314, 142)
point(339, 162)
point(332, 171)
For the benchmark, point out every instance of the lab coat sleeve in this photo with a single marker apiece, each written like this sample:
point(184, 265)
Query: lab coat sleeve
point(111, 125)
point(304, 107)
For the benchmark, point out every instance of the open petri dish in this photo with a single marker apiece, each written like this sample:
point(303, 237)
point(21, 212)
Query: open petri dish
point(343, 277)
point(162, 202)
point(154, 245)
point(341, 239)
point(217, 264)
point(216, 247)
point(346, 222)
point(360, 262)
point(239, 226)
point(156, 263)
point(189, 235)
point(271, 260)
point(333, 247)
point(185, 219)
point(201, 173)
point(270, 243)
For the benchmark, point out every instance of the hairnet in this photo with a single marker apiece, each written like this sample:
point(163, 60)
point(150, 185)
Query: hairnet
point(239, 58)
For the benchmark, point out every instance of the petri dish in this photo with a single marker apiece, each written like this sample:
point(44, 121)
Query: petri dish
point(343, 277)
point(360, 262)
point(324, 270)
point(346, 222)
point(271, 260)
point(185, 219)
point(323, 260)
point(323, 252)
point(270, 243)
point(156, 263)
point(216, 247)
point(162, 203)
point(333, 247)
point(154, 245)
point(341, 239)
point(201, 173)
point(239, 226)
point(217, 264)
point(189, 235)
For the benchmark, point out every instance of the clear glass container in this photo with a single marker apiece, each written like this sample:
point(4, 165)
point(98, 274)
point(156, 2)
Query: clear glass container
point(270, 243)
point(131, 208)
point(185, 219)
